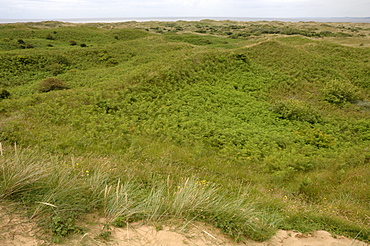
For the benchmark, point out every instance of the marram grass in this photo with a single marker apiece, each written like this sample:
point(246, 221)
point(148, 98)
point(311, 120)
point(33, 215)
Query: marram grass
point(57, 190)
point(20, 172)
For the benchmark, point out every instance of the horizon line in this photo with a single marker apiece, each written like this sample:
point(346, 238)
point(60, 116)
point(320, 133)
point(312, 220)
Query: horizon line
point(177, 18)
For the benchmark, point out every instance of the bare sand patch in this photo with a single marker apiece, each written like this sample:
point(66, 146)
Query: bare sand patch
point(16, 229)
point(201, 234)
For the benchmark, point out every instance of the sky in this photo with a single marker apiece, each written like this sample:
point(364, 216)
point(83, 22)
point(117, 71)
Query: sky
point(63, 9)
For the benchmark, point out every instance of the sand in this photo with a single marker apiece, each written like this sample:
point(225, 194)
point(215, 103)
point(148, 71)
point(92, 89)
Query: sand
point(205, 236)
point(17, 230)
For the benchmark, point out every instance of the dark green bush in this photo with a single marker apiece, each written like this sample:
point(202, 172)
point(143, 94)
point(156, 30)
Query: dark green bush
point(51, 84)
point(27, 46)
point(72, 42)
point(4, 94)
point(60, 59)
point(49, 37)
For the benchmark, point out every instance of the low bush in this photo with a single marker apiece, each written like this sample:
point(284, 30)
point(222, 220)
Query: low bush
point(72, 42)
point(316, 137)
point(293, 109)
point(341, 92)
point(4, 94)
point(51, 84)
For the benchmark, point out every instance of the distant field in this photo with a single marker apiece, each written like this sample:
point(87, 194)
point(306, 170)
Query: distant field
point(249, 126)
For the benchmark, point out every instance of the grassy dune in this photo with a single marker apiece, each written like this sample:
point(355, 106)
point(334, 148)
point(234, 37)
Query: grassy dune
point(249, 126)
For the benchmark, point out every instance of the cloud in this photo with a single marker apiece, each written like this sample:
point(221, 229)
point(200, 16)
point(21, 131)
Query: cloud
point(53, 9)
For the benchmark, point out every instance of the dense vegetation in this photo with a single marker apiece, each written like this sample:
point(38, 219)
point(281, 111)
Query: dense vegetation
point(251, 127)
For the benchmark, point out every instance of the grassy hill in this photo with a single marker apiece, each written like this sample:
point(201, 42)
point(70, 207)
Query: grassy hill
point(250, 126)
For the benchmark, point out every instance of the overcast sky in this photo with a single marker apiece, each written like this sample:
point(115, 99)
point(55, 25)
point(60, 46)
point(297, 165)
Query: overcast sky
point(57, 9)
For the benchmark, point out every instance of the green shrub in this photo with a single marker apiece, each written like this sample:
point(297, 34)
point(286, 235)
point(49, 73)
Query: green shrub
point(49, 37)
point(60, 59)
point(29, 46)
point(72, 42)
point(340, 92)
point(316, 137)
point(293, 109)
point(51, 84)
point(56, 68)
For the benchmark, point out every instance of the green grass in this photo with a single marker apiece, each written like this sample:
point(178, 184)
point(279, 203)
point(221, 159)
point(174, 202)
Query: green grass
point(155, 122)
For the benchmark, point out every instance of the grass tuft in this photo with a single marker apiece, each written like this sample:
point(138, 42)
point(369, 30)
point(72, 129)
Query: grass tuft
point(21, 172)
